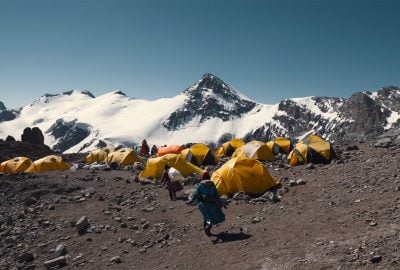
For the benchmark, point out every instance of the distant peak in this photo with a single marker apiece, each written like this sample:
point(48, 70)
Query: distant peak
point(213, 84)
point(83, 92)
point(118, 92)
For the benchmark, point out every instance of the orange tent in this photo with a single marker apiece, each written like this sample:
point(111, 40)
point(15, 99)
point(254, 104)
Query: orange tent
point(172, 149)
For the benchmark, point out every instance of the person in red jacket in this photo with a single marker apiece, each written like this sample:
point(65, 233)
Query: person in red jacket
point(144, 149)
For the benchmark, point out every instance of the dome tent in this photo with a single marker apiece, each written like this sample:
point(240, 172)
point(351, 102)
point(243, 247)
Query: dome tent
point(280, 145)
point(171, 149)
point(228, 148)
point(242, 174)
point(312, 149)
point(155, 166)
point(15, 165)
point(199, 154)
point(48, 163)
point(256, 150)
point(124, 156)
point(99, 155)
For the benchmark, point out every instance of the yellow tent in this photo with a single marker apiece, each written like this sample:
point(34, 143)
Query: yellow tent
point(49, 163)
point(280, 145)
point(199, 154)
point(312, 149)
point(99, 155)
point(242, 174)
point(155, 166)
point(256, 150)
point(124, 156)
point(15, 165)
point(229, 148)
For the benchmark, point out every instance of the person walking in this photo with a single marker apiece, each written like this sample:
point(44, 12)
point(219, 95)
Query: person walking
point(166, 181)
point(207, 198)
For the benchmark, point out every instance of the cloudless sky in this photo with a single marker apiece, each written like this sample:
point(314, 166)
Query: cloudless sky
point(268, 50)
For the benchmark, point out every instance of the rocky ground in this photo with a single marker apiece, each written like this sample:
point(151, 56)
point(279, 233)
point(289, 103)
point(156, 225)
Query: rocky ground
point(343, 215)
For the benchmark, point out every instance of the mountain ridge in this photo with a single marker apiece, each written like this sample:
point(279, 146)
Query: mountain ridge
point(209, 111)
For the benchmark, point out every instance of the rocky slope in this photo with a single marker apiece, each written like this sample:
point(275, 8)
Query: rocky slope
point(343, 215)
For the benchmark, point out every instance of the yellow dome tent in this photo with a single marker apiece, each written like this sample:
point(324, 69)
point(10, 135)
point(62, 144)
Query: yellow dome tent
point(155, 166)
point(242, 174)
point(124, 156)
point(199, 154)
point(312, 149)
point(256, 150)
point(280, 145)
point(48, 163)
point(15, 165)
point(99, 155)
point(229, 148)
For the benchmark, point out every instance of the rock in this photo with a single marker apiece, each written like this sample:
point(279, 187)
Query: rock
point(255, 220)
point(241, 196)
point(310, 166)
point(145, 225)
point(116, 259)
point(376, 258)
point(292, 183)
point(30, 200)
point(25, 257)
point(57, 262)
point(88, 192)
point(383, 143)
point(61, 250)
point(82, 224)
point(33, 135)
point(300, 182)
point(148, 209)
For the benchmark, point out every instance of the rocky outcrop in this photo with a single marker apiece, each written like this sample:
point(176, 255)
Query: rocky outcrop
point(367, 117)
point(33, 135)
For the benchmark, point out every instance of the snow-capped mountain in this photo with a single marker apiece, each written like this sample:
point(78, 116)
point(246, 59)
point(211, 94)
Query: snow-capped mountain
point(210, 111)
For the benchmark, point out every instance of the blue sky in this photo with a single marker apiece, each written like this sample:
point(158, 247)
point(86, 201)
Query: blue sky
point(269, 50)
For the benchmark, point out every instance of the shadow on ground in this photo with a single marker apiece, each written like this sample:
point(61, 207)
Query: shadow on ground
point(229, 237)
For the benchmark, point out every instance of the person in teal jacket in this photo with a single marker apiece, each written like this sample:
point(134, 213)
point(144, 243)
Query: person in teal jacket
point(206, 197)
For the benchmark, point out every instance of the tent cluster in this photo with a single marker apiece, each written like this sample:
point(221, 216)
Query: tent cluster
point(123, 156)
point(24, 164)
point(244, 172)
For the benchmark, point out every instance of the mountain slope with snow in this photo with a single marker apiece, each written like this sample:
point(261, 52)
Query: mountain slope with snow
point(210, 111)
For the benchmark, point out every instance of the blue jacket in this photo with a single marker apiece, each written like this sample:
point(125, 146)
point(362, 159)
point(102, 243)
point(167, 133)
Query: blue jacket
point(206, 197)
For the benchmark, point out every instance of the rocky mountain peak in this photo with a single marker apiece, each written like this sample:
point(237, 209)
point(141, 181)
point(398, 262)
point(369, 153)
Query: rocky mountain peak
point(83, 92)
point(209, 98)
